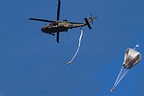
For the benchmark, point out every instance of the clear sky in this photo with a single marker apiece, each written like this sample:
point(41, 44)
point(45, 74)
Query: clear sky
point(33, 64)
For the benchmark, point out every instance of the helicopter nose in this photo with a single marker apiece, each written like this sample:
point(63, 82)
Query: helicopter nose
point(43, 29)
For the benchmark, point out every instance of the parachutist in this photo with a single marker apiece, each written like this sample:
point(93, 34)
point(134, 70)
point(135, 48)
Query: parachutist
point(131, 58)
point(112, 89)
point(68, 63)
point(81, 33)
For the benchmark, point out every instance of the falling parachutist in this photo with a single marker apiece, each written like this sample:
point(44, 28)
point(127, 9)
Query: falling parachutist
point(112, 89)
point(68, 63)
point(131, 58)
point(77, 47)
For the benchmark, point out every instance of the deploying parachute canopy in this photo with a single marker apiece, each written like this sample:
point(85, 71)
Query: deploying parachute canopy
point(79, 44)
point(131, 58)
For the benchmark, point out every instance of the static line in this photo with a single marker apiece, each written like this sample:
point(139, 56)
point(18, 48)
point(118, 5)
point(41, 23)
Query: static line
point(77, 47)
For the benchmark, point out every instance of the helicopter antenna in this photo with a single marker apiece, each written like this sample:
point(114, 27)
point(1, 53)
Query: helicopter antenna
point(57, 37)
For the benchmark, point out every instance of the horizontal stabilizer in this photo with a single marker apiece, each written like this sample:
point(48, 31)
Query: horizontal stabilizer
point(87, 23)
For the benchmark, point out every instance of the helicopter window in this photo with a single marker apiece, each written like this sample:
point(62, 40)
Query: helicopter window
point(54, 23)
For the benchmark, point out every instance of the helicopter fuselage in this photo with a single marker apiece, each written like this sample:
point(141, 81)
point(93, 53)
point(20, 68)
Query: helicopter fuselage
point(60, 27)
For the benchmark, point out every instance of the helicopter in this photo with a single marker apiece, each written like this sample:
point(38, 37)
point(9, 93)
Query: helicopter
point(55, 27)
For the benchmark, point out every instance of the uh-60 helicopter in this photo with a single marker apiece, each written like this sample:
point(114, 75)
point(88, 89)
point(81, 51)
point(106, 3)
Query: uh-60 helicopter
point(61, 25)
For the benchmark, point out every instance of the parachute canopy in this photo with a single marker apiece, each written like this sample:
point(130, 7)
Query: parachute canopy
point(131, 58)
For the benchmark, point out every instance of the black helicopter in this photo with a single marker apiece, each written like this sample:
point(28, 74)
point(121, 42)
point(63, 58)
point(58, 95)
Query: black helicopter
point(61, 25)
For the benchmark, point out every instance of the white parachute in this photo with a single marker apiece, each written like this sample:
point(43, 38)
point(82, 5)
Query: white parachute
point(131, 58)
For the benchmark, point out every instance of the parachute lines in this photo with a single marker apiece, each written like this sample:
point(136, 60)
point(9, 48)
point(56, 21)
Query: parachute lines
point(122, 73)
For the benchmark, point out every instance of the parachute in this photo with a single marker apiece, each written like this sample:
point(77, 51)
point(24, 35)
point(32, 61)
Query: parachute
point(131, 58)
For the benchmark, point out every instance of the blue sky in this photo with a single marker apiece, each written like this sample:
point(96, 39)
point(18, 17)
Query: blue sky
point(33, 64)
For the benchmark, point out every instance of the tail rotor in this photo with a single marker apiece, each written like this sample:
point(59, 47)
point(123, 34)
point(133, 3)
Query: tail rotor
point(92, 18)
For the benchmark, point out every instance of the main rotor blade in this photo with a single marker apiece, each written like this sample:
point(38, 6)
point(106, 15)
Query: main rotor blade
point(43, 20)
point(57, 38)
point(58, 10)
